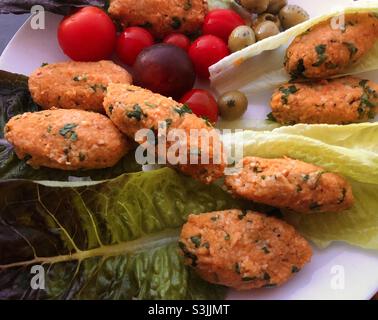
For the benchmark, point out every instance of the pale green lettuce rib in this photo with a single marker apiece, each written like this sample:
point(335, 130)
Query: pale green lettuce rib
point(260, 66)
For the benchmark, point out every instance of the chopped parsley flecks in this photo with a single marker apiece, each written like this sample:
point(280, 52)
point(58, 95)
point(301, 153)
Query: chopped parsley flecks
point(305, 177)
point(44, 64)
point(286, 92)
point(249, 279)
point(150, 105)
point(188, 5)
point(110, 108)
point(366, 104)
point(299, 71)
point(68, 131)
point(80, 78)
point(352, 48)
point(81, 156)
point(265, 249)
point(271, 117)
point(257, 169)
point(176, 23)
point(183, 110)
point(214, 218)
point(331, 65)
point(188, 254)
point(321, 52)
point(207, 121)
point(227, 237)
point(242, 214)
point(343, 195)
point(299, 188)
point(266, 276)
point(196, 240)
point(49, 128)
point(315, 206)
point(270, 285)
point(206, 245)
point(137, 113)
point(99, 87)
point(294, 269)
point(237, 268)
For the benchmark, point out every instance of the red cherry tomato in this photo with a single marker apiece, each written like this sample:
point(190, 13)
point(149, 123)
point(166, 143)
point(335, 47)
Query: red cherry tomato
point(131, 42)
point(206, 51)
point(202, 104)
point(179, 40)
point(221, 23)
point(87, 35)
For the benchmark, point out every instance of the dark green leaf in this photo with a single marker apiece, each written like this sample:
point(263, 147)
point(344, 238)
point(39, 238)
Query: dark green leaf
point(112, 240)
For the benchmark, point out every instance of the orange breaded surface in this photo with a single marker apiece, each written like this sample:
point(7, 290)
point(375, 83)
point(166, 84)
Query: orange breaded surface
point(133, 108)
point(75, 85)
point(66, 139)
point(325, 51)
point(291, 184)
point(339, 101)
point(161, 17)
point(243, 250)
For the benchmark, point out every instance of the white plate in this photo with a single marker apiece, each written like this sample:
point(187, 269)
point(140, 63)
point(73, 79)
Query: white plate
point(339, 272)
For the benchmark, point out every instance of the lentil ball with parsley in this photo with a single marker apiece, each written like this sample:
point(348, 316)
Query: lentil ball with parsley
point(326, 50)
point(290, 184)
point(66, 139)
point(160, 17)
point(339, 101)
point(132, 108)
point(243, 249)
point(75, 85)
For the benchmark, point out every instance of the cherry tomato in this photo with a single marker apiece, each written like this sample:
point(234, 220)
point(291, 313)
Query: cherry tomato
point(221, 23)
point(131, 42)
point(179, 40)
point(202, 103)
point(87, 35)
point(206, 51)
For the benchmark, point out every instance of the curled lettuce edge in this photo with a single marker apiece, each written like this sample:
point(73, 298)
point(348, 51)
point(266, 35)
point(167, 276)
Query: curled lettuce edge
point(350, 151)
point(238, 70)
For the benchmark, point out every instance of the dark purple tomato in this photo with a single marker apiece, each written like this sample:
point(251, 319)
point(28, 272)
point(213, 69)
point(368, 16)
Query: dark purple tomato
point(165, 69)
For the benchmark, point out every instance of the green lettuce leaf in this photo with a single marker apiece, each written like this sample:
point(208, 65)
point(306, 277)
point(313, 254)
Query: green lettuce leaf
point(111, 240)
point(15, 99)
point(348, 150)
point(260, 66)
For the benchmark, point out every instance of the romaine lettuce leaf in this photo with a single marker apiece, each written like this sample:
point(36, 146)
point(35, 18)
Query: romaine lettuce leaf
point(111, 240)
point(15, 99)
point(348, 150)
point(260, 66)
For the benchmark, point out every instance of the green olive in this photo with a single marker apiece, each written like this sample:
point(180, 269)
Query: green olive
point(266, 29)
point(232, 105)
point(267, 17)
point(276, 5)
point(240, 38)
point(255, 6)
point(291, 15)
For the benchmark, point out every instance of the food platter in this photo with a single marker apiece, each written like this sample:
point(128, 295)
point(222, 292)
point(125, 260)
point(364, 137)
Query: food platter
point(319, 280)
